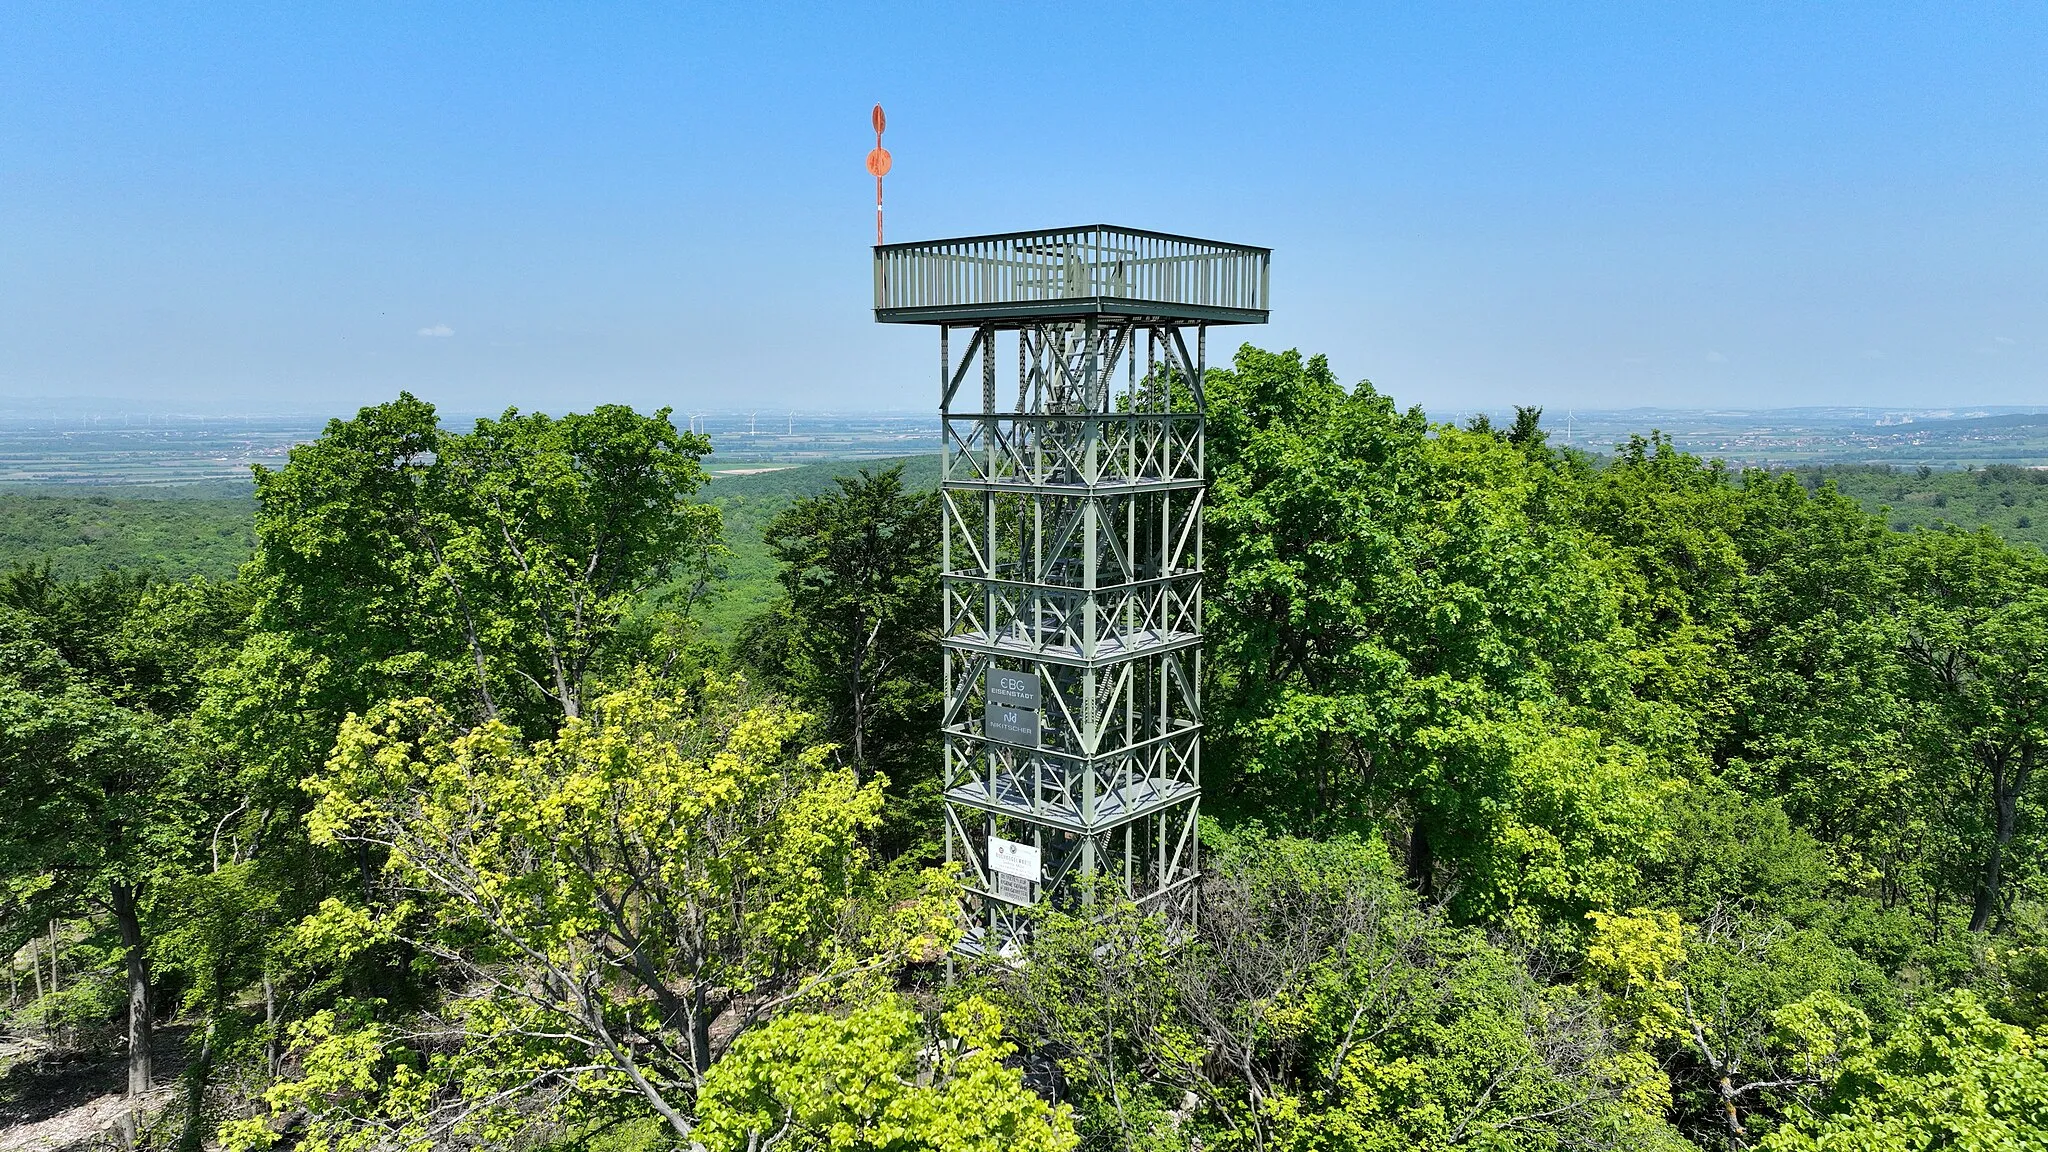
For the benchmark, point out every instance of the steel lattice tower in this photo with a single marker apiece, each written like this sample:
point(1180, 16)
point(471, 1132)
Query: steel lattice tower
point(1072, 565)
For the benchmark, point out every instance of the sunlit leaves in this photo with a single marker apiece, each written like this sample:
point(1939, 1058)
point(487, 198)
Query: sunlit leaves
point(610, 910)
point(1951, 1078)
point(875, 1080)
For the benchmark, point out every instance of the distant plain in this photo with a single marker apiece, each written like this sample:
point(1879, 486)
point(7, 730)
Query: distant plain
point(134, 447)
point(172, 493)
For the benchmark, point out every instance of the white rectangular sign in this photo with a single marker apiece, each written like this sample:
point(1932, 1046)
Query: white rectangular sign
point(1015, 889)
point(1013, 858)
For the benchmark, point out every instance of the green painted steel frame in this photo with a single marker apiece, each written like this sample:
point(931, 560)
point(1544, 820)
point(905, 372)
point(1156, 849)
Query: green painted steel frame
point(1073, 551)
point(1072, 545)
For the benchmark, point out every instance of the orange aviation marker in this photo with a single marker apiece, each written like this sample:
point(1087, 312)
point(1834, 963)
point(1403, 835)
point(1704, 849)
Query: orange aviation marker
point(878, 167)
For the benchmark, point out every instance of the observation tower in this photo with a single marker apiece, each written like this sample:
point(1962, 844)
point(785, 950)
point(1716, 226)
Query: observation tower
point(1072, 488)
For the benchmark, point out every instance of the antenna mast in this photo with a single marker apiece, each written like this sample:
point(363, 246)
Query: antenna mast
point(878, 167)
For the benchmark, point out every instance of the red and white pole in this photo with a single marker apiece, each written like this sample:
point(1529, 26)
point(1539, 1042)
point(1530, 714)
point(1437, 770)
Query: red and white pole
point(878, 167)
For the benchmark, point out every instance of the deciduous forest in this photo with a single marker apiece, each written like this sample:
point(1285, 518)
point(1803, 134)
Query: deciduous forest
point(1551, 802)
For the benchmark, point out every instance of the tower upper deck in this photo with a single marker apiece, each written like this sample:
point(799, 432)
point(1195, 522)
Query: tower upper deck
point(1093, 270)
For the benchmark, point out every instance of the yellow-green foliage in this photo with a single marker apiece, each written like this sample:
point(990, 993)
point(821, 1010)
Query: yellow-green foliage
point(1951, 1078)
point(1555, 817)
point(876, 1080)
point(594, 903)
point(654, 799)
point(1632, 956)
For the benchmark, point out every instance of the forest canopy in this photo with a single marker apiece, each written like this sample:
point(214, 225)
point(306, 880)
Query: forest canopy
point(1552, 802)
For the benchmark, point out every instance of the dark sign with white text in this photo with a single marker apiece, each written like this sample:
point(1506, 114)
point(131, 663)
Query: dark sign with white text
point(1010, 725)
point(1016, 689)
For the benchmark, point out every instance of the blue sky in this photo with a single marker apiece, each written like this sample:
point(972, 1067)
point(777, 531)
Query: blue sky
point(1473, 205)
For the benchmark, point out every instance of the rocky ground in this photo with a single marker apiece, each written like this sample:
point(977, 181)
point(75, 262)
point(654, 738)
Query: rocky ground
point(52, 1099)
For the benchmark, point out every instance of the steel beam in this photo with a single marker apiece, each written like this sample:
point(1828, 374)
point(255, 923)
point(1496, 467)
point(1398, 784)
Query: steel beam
point(1072, 558)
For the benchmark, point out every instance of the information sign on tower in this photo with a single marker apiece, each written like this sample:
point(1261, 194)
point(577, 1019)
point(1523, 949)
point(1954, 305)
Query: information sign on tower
point(1072, 488)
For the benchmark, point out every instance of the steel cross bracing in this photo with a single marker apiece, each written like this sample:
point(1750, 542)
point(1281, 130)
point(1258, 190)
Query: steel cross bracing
point(1072, 496)
point(1073, 491)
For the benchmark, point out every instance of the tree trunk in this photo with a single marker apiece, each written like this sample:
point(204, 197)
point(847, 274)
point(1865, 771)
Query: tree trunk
point(35, 965)
point(1421, 861)
point(700, 1031)
point(128, 918)
point(1730, 1116)
point(1323, 773)
point(366, 875)
point(565, 685)
point(2005, 789)
point(49, 1010)
point(270, 1049)
point(476, 649)
point(192, 1138)
point(860, 713)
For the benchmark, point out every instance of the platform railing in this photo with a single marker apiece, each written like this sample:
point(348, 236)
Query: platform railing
point(1065, 264)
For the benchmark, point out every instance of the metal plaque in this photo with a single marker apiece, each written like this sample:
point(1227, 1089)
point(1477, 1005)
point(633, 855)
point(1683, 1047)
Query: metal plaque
point(1010, 725)
point(1009, 858)
point(1015, 889)
point(1014, 688)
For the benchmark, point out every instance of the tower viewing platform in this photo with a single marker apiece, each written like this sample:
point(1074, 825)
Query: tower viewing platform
point(1072, 487)
point(1071, 273)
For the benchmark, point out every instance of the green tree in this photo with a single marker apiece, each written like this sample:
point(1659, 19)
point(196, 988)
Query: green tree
point(128, 793)
point(1103, 997)
point(1748, 1015)
point(104, 797)
point(1730, 849)
point(1950, 1077)
point(491, 567)
point(874, 1080)
point(219, 926)
point(1978, 646)
point(1768, 1010)
point(607, 911)
point(1407, 627)
point(580, 516)
point(495, 569)
point(856, 631)
point(1670, 519)
point(1318, 1007)
point(1394, 1028)
point(1829, 727)
point(854, 635)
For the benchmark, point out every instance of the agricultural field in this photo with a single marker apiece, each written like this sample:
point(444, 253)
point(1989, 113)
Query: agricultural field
point(1804, 438)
